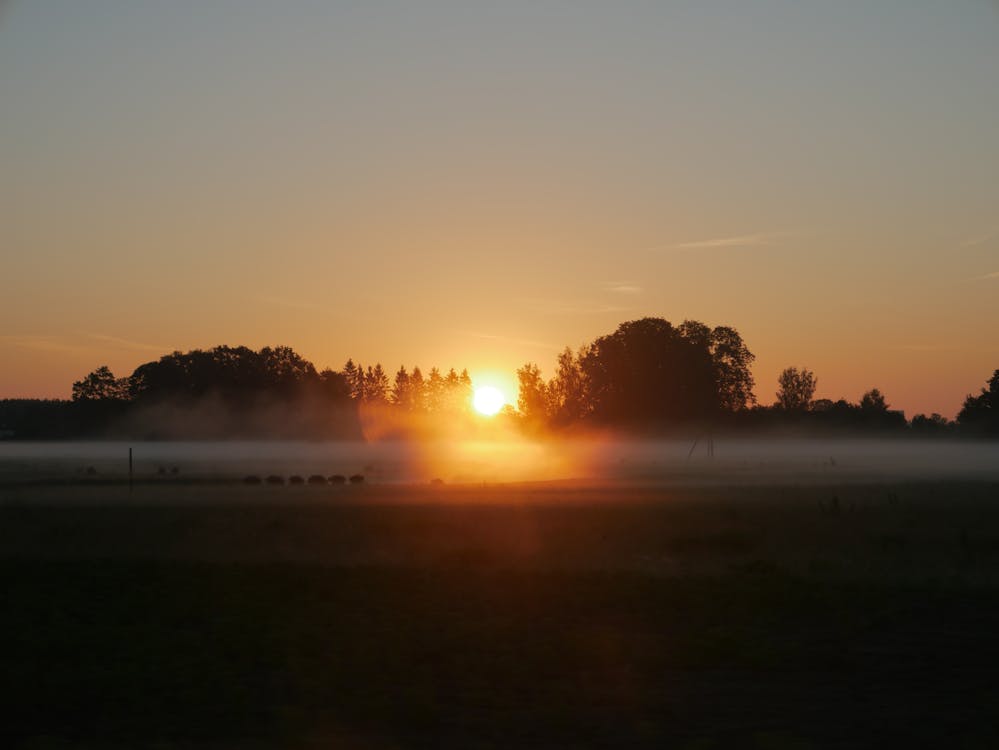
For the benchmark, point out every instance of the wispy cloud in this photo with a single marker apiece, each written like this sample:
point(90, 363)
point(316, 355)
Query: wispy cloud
point(74, 345)
point(127, 343)
point(623, 287)
point(980, 239)
point(745, 240)
point(513, 340)
point(924, 347)
point(993, 275)
point(42, 343)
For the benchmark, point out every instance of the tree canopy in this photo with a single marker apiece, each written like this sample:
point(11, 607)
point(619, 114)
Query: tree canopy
point(980, 414)
point(648, 374)
point(796, 389)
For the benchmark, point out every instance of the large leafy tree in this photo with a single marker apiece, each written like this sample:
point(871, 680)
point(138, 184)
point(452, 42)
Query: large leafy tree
point(237, 374)
point(796, 389)
point(732, 361)
point(101, 385)
point(285, 369)
point(649, 372)
point(334, 385)
point(567, 391)
point(873, 402)
point(981, 413)
point(532, 398)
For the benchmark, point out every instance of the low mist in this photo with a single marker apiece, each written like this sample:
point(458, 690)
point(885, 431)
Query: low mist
point(501, 456)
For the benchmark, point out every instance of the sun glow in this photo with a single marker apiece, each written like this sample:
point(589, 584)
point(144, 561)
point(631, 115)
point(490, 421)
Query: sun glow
point(488, 400)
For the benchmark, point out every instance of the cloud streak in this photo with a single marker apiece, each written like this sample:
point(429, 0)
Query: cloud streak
point(128, 343)
point(979, 240)
point(924, 347)
point(42, 343)
point(745, 240)
point(623, 287)
point(64, 345)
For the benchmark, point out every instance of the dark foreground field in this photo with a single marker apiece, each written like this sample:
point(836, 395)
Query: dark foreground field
point(219, 617)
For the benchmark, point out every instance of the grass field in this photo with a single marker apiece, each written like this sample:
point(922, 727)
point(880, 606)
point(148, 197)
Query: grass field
point(544, 615)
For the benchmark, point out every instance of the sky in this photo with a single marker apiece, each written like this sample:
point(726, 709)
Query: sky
point(481, 184)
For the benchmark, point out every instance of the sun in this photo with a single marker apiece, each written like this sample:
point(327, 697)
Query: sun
point(488, 400)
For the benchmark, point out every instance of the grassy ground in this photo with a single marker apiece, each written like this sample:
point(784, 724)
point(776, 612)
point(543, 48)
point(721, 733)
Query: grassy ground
point(533, 616)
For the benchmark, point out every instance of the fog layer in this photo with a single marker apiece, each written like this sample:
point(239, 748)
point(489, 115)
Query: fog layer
point(514, 459)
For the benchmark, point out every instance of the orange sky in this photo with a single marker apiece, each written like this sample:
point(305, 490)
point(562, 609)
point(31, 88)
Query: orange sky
point(478, 187)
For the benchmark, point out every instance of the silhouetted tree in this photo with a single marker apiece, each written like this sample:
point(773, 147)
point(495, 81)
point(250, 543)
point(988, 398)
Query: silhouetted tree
point(732, 361)
point(459, 390)
point(648, 372)
point(931, 426)
point(873, 401)
point(874, 412)
point(354, 375)
point(101, 385)
point(237, 374)
point(532, 398)
point(980, 414)
point(401, 394)
point(224, 391)
point(334, 385)
point(376, 385)
point(566, 391)
point(286, 370)
point(434, 391)
point(418, 391)
point(796, 389)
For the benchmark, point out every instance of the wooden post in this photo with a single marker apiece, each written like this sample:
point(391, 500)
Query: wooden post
point(130, 469)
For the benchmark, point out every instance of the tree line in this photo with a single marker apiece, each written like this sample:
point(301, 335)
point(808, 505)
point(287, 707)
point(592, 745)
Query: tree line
point(234, 392)
point(647, 376)
point(650, 375)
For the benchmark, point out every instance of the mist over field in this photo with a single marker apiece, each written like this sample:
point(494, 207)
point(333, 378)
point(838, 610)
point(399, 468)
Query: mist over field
point(512, 459)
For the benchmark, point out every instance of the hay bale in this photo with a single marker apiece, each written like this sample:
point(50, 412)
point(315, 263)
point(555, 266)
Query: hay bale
point(356, 478)
point(317, 479)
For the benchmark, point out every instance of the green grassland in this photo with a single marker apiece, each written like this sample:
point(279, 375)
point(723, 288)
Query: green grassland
point(539, 615)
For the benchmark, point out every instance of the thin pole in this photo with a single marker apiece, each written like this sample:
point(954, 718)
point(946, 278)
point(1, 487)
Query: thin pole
point(691, 452)
point(130, 469)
